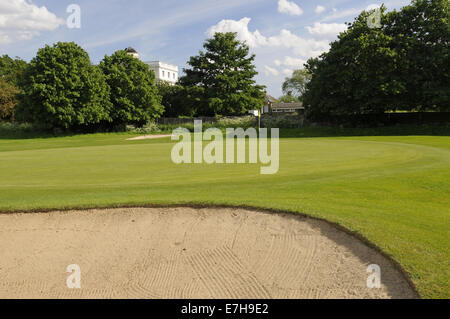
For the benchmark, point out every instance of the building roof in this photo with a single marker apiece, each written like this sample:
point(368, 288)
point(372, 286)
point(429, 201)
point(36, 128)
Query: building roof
point(270, 99)
point(130, 50)
point(286, 106)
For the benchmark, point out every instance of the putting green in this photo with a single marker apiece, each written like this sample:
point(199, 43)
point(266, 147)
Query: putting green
point(395, 191)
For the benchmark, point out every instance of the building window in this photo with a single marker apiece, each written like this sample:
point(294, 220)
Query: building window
point(163, 73)
point(174, 76)
point(168, 75)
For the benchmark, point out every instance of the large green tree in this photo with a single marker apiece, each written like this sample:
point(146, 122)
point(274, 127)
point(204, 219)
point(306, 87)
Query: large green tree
point(357, 75)
point(224, 77)
point(177, 99)
point(11, 69)
point(295, 86)
point(402, 65)
point(62, 89)
point(8, 94)
point(421, 37)
point(134, 94)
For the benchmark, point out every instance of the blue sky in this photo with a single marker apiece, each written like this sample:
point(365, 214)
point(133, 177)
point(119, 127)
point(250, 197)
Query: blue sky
point(282, 33)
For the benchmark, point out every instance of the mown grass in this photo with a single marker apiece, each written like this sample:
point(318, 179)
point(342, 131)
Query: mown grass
point(393, 190)
point(396, 130)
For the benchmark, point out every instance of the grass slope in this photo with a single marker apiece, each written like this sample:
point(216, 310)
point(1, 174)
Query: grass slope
point(395, 191)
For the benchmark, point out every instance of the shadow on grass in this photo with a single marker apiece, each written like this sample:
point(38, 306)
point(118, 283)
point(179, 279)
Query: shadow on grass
point(398, 130)
point(329, 131)
point(16, 131)
point(19, 131)
point(24, 131)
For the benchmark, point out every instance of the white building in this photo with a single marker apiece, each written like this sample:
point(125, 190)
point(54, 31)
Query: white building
point(164, 71)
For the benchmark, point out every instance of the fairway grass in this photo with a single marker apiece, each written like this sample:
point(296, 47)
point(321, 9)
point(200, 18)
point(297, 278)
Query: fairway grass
point(394, 191)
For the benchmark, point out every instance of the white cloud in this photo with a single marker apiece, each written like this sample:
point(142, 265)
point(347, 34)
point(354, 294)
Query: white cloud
point(296, 63)
point(271, 71)
point(282, 49)
point(327, 29)
point(278, 54)
point(372, 6)
point(289, 7)
point(339, 14)
point(319, 9)
point(286, 39)
point(253, 39)
point(22, 20)
point(300, 46)
point(288, 72)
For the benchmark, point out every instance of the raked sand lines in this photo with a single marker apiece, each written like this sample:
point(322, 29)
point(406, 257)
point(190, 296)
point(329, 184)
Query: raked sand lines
point(186, 253)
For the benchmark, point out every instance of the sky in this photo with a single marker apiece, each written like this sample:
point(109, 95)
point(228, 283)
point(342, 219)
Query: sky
point(283, 34)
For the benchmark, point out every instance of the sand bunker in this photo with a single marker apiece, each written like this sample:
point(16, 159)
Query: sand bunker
point(186, 253)
point(147, 137)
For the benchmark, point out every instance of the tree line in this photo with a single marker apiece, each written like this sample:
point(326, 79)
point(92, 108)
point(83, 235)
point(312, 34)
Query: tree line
point(401, 66)
point(61, 89)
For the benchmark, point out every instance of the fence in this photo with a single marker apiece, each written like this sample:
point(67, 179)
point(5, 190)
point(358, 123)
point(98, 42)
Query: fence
point(296, 121)
point(181, 121)
point(210, 122)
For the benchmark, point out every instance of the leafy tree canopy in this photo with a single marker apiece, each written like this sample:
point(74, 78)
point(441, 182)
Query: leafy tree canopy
point(295, 86)
point(10, 72)
point(178, 100)
point(61, 89)
point(133, 89)
point(421, 38)
point(403, 65)
point(8, 94)
point(288, 98)
point(224, 75)
point(11, 69)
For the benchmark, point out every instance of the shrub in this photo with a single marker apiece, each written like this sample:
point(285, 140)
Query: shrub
point(244, 122)
point(150, 127)
point(281, 121)
point(15, 130)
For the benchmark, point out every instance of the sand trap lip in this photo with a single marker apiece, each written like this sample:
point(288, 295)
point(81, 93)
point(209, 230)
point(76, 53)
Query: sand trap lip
point(187, 253)
point(148, 137)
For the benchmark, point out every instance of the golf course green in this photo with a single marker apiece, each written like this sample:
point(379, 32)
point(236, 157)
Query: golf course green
point(393, 191)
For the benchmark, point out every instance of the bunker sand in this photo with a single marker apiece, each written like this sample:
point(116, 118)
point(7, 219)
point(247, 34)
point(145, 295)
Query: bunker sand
point(148, 137)
point(187, 253)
